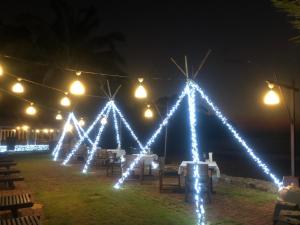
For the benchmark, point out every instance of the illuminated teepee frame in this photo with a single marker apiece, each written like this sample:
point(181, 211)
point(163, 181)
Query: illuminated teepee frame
point(190, 91)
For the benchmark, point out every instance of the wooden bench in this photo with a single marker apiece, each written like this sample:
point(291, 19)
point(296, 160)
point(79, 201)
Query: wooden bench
point(282, 206)
point(26, 220)
point(7, 165)
point(9, 180)
point(10, 171)
point(15, 202)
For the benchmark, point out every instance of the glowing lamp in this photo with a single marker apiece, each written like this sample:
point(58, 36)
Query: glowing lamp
point(37, 131)
point(77, 88)
point(18, 128)
point(31, 110)
point(69, 127)
point(18, 88)
point(103, 121)
point(271, 97)
point(45, 131)
point(58, 117)
point(51, 130)
point(65, 101)
point(25, 127)
point(148, 113)
point(140, 91)
point(81, 122)
point(1, 71)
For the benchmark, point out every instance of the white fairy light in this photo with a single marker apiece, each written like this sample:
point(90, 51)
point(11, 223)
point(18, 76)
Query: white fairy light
point(85, 135)
point(79, 129)
point(116, 128)
point(154, 165)
point(95, 144)
point(237, 136)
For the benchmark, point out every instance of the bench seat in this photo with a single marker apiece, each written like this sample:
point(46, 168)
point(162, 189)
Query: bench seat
point(26, 220)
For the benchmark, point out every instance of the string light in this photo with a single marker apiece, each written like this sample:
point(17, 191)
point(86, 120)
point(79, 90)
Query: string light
point(148, 113)
point(116, 128)
point(65, 101)
point(51, 131)
point(31, 110)
point(25, 128)
point(85, 135)
point(103, 120)
point(45, 131)
point(18, 128)
point(1, 71)
point(37, 131)
point(94, 146)
point(18, 87)
point(81, 122)
point(77, 88)
point(140, 91)
point(58, 116)
point(237, 136)
point(79, 130)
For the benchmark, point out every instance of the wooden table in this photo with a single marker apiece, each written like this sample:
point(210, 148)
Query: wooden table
point(15, 202)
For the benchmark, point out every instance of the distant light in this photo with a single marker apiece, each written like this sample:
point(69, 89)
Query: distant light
point(58, 116)
point(77, 88)
point(1, 71)
point(103, 121)
point(271, 97)
point(69, 127)
point(45, 131)
point(140, 91)
point(65, 101)
point(18, 128)
point(31, 110)
point(81, 122)
point(148, 113)
point(78, 73)
point(17, 88)
point(25, 127)
point(37, 131)
point(51, 130)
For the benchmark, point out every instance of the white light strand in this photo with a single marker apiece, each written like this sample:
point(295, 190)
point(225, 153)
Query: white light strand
point(237, 136)
point(80, 130)
point(61, 139)
point(25, 148)
point(94, 146)
point(196, 160)
point(116, 128)
point(151, 140)
point(79, 142)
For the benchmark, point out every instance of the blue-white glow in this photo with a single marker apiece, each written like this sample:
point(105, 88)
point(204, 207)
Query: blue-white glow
point(31, 148)
point(79, 142)
point(95, 144)
point(237, 136)
point(79, 129)
point(151, 140)
point(116, 128)
point(3, 148)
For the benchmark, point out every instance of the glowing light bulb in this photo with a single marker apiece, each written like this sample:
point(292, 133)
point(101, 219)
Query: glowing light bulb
point(103, 121)
point(77, 88)
point(148, 113)
point(17, 88)
point(37, 131)
point(18, 128)
point(1, 71)
point(81, 122)
point(271, 98)
point(25, 127)
point(140, 91)
point(45, 131)
point(65, 101)
point(58, 117)
point(31, 110)
point(69, 127)
point(51, 130)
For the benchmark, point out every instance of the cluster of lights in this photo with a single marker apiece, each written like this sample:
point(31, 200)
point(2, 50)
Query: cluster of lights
point(82, 138)
point(94, 146)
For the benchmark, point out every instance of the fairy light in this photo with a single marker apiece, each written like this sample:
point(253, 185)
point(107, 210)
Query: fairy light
point(18, 88)
point(58, 116)
point(116, 128)
point(85, 135)
point(59, 144)
point(237, 136)
point(151, 140)
point(79, 129)
point(1, 71)
point(94, 146)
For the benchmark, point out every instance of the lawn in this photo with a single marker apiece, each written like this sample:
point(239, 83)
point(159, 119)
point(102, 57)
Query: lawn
point(71, 198)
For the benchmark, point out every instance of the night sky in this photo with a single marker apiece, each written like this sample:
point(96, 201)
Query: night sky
point(249, 42)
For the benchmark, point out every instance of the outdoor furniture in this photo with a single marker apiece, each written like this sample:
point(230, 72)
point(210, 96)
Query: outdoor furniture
point(25, 220)
point(101, 157)
point(289, 180)
point(283, 208)
point(112, 162)
point(7, 165)
point(119, 152)
point(214, 171)
point(145, 165)
point(204, 181)
point(10, 171)
point(15, 202)
point(168, 173)
point(8, 180)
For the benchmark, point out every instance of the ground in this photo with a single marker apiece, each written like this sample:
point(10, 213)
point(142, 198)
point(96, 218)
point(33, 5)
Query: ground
point(71, 198)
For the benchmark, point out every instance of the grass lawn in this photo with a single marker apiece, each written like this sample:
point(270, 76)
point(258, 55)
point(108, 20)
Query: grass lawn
point(71, 198)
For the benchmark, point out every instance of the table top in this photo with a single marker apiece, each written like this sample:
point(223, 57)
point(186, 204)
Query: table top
point(211, 164)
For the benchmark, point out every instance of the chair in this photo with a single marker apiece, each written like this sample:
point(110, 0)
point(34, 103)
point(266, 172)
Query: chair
point(204, 181)
point(168, 173)
point(113, 162)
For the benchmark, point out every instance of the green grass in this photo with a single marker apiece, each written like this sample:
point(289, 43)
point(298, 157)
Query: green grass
point(70, 198)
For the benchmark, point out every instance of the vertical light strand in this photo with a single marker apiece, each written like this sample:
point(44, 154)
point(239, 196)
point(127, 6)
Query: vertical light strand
point(96, 142)
point(79, 142)
point(151, 140)
point(237, 136)
point(195, 154)
point(61, 139)
point(116, 128)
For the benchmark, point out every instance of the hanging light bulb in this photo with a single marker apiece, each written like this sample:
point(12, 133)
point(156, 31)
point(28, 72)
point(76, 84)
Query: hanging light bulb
point(148, 113)
point(31, 110)
point(58, 116)
point(18, 128)
point(25, 127)
point(65, 101)
point(103, 120)
point(78, 73)
point(271, 97)
point(140, 91)
point(18, 87)
point(77, 88)
point(69, 127)
point(37, 131)
point(81, 122)
point(45, 131)
point(1, 71)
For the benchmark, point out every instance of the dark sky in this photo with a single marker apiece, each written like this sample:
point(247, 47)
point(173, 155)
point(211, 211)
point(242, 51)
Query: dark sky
point(249, 42)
